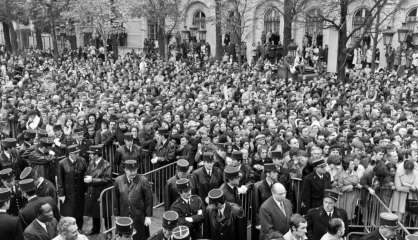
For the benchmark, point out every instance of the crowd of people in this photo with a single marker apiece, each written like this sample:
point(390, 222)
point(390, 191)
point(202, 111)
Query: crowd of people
point(231, 130)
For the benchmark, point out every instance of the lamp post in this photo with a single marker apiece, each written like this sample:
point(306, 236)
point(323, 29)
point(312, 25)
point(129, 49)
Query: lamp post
point(402, 33)
point(387, 41)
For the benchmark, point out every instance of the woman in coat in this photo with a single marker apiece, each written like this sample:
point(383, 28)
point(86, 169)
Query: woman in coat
point(348, 183)
point(406, 183)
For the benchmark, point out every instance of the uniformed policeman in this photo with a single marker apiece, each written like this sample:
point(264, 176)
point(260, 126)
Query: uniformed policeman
point(224, 220)
point(189, 207)
point(319, 217)
point(10, 157)
point(230, 186)
point(17, 201)
point(170, 220)
point(412, 237)
point(387, 228)
point(124, 228)
point(181, 233)
point(170, 187)
point(314, 184)
point(44, 187)
point(10, 227)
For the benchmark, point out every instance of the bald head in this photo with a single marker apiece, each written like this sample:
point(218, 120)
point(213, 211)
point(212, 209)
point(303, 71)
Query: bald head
point(277, 188)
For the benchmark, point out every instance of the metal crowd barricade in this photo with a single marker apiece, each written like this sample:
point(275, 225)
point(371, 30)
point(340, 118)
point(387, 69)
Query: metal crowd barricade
point(159, 178)
point(296, 192)
point(145, 164)
point(349, 201)
point(12, 123)
point(246, 204)
point(106, 200)
point(355, 235)
point(109, 153)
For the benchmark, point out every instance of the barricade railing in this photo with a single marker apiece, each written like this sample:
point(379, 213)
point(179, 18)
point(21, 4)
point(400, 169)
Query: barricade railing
point(159, 178)
point(295, 193)
point(145, 162)
point(246, 204)
point(109, 153)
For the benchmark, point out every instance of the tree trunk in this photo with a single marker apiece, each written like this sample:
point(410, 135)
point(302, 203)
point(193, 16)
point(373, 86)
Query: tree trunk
point(287, 31)
point(218, 30)
point(38, 37)
point(161, 37)
point(342, 41)
point(13, 35)
point(6, 33)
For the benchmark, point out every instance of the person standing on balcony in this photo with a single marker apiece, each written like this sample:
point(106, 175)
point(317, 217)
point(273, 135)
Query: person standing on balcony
point(133, 197)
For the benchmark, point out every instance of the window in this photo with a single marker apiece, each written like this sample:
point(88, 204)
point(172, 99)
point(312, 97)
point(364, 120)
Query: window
point(233, 27)
point(199, 20)
point(272, 21)
point(412, 19)
point(152, 30)
point(359, 20)
point(314, 27)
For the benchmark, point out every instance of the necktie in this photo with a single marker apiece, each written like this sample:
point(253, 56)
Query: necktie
point(282, 208)
point(330, 215)
point(210, 173)
point(220, 214)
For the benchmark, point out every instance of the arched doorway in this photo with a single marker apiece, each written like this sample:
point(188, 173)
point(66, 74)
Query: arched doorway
point(360, 18)
point(272, 25)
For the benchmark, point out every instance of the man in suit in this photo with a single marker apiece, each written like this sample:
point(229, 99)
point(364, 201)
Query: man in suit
point(44, 227)
point(10, 227)
point(28, 213)
point(207, 177)
point(170, 220)
point(133, 197)
point(262, 191)
point(314, 184)
point(171, 191)
point(189, 208)
point(224, 220)
point(387, 228)
point(129, 151)
point(275, 212)
point(230, 186)
point(318, 218)
point(44, 187)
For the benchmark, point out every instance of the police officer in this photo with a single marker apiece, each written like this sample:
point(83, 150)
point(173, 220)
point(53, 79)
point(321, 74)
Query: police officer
point(17, 201)
point(224, 220)
point(319, 217)
point(170, 220)
point(10, 227)
point(189, 207)
point(181, 233)
point(314, 184)
point(171, 191)
point(230, 187)
point(387, 228)
point(10, 157)
point(44, 187)
point(124, 228)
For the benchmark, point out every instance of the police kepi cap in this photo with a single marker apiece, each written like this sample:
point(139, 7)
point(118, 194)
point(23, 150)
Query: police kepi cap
point(216, 196)
point(170, 219)
point(124, 226)
point(183, 184)
point(181, 233)
point(389, 220)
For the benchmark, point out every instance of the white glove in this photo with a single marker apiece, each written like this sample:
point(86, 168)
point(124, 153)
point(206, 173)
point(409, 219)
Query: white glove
point(242, 190)
point(147, 221)
point(57, 142)
point(188, 219)
point(61, 199)
point(371, 191)
point(52, 153)
point(154, 160)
